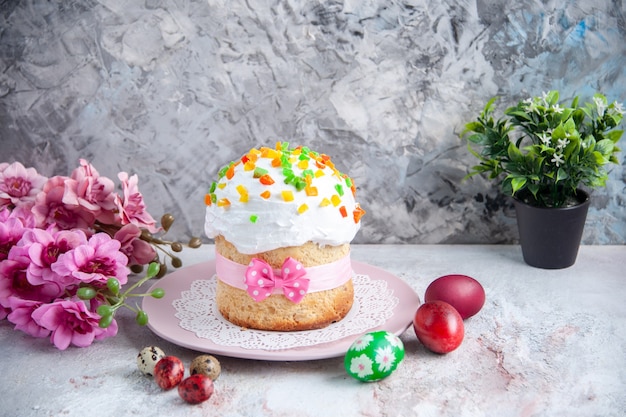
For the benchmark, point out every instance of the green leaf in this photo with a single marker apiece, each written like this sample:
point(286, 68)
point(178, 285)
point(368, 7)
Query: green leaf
point(518, 183)
point(514, 153)
point(614, 135)
point(561, 175)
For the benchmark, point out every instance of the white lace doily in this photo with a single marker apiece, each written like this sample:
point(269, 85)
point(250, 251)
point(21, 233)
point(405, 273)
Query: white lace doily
point(197, 312)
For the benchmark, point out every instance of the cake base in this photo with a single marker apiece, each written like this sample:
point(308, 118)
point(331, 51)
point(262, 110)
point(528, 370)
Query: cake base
point(277, 313)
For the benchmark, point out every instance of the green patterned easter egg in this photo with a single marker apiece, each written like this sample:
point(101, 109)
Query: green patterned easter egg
point(374, 356)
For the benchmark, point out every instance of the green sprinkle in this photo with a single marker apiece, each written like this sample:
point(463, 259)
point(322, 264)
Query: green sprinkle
point(300, 184)
point(222, 171)
point(308, 173)
point(304, 157)
point(339, 189)
point(213, 187)
point(348, 182)
point(259, 172)
point(284, 146)
point(254, 218)
point(213, 198)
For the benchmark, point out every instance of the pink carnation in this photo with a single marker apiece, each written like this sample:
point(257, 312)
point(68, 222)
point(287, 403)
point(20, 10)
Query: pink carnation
point(91, 192)
point(132, 209)
point(42, 249)
point(11, 231)
point(13, 283)
point(19, 185)
point(49, 208)
point(71, 323)
point(95, 262)
point(21, 316)
point(139, 252)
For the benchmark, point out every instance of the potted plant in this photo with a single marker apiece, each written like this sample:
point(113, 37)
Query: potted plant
point(543, 154)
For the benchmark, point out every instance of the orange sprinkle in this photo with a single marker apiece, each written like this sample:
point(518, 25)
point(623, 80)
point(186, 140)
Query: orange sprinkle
point(287, 195)
point(266, 179)
point(310, 191)
point(343, 211)
point(276, 162)
point(335, 200)
point(207, 199)
point(248, 166)
point(223, 202)
point(358, 213)
point(302, 208)
point(266, 194)
point(230, 172)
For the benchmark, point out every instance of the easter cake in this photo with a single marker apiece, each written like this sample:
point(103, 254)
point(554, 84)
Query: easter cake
point(282, 219)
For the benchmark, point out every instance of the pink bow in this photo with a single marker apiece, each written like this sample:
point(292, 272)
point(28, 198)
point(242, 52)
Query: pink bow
point(261, 280)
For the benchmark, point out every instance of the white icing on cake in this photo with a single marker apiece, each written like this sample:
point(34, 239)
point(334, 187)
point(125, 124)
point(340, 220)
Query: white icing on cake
point(254, 222)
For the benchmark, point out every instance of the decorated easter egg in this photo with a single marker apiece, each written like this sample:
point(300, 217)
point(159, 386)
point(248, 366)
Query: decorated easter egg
point(374, 356)
point(147, 358)
point(196, 388)
point(168, 372)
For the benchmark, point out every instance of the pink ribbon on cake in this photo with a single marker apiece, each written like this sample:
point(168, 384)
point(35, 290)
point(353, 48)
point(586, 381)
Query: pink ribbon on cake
point(297, 279)
point(291, 278)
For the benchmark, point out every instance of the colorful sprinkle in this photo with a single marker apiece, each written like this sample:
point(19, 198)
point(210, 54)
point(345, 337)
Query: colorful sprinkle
point(266, 179)
point(287, 195)
point(266, 194)
point(207, 199)
point(302, 208)
point(358, 213)
point(339, 189)
point(343, 211)
point(310, 191)
point(254, 218)
point(325, 202)
point(335, 200)
point(259, 172)
point(223, 202)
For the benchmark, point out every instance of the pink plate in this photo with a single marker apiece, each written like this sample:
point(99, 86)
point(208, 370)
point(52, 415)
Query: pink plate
point(164, 323)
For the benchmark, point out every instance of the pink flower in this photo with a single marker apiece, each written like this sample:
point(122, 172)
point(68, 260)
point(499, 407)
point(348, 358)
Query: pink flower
point(19, 185)
point(42, 248)
point(132, 209)
point(13, 283)
point(71, 323)
point(49, 208)
point(11, 231)
point(139, 252)
point(92, 192)
point(95, 262)
point(21, 316)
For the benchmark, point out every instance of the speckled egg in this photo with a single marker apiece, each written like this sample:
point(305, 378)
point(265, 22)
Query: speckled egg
point(374, 356)
point(206, 365)
point(168, 372)
point(147, 358)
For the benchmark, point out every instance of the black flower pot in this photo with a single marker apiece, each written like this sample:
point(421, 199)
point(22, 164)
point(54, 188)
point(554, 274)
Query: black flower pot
point(550, 237)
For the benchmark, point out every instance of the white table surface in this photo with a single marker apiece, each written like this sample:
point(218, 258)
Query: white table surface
point(546, 343)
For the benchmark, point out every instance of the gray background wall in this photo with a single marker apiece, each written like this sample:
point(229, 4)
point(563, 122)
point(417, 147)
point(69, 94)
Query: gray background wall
point(172, 90)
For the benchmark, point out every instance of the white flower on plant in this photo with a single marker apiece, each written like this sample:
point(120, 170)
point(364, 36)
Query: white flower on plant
point(557, 159)
point(600, 105)
point(362, 342)
point(618, 108)
point(393, 340)
point(385, 358)
point(562, 143)
point(361, 366)
point(544, 138)
point(557, 109)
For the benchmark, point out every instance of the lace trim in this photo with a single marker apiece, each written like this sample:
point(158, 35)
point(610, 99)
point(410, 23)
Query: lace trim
point(197, 312)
